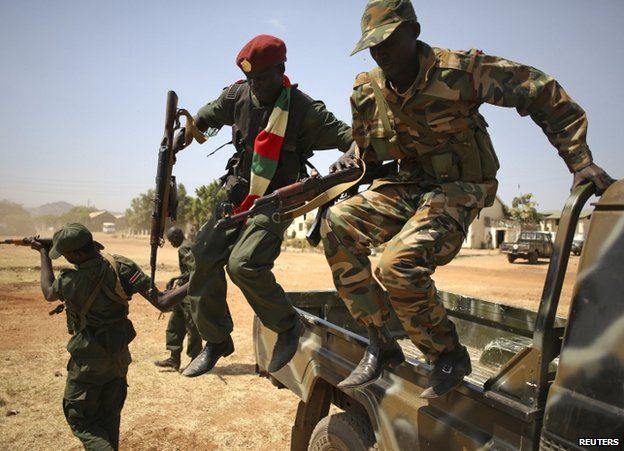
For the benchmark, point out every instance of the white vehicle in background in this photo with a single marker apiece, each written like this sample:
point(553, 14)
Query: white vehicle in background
point(108, 227)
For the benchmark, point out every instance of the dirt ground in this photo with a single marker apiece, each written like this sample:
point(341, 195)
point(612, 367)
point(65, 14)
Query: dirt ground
point(230, 408)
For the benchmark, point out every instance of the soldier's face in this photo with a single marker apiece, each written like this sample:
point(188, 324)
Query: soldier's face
point(175, 241)
point(175, 237)
point(76, 257)
point(397, 50)
point(266, 85)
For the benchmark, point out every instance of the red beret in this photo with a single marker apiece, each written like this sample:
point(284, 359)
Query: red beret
point(260, 53)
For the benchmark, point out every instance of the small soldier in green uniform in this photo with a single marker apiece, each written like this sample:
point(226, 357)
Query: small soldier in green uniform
point(420, 108)
point(276, 127)
point(96, 295)
point(181, 321)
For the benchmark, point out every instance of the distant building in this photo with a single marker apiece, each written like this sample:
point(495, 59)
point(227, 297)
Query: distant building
point(550, 222)
point(98, 218)
point(300, 225)
point(489, 229)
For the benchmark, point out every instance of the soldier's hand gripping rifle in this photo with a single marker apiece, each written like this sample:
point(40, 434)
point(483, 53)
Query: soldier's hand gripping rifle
point(28, 241)
point(296, 199)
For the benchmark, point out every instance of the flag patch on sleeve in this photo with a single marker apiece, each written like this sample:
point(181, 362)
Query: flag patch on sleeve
point(135, 277)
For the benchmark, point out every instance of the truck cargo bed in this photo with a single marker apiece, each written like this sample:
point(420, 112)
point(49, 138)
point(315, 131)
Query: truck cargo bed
point(492, 332)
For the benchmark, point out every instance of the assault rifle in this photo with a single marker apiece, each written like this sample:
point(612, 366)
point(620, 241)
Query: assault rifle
point(165, 201)
point(296, 199)
point(166, 198)
point(27, 241)
point(373, 170)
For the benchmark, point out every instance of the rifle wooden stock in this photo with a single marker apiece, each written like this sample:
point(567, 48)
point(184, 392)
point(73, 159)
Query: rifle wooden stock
point(27, 241)
point(166, 159)
point(280, 202)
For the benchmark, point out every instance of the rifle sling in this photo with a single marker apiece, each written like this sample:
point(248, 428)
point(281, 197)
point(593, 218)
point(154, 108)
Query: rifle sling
point(325, 197)
point(120, 294)
point(89, 302)
point(191, 131)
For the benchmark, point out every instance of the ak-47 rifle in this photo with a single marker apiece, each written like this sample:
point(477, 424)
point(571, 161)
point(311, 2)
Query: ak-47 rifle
point(165, 201)
point(296, 199)
point(27, 241)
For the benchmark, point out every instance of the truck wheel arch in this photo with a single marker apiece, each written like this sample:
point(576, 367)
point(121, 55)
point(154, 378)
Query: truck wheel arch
point(349, 431)
point(311, 413)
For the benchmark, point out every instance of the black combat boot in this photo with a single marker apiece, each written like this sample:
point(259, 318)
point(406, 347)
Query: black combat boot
point(382, 352)
point(172, 361)
point(448, 372)
point(285, 346)
point(208, 357)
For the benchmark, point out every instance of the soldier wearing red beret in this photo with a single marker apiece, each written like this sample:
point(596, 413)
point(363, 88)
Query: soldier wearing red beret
point(275, 129)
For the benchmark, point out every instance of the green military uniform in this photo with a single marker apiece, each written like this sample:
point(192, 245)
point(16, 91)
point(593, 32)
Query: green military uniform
point(96, 385)
point(249, 251)
point(445, 175)
point(181, 321)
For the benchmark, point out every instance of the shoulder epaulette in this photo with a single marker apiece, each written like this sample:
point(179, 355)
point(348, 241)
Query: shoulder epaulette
point(460, 60)
point(361, 79)
point(232, 91)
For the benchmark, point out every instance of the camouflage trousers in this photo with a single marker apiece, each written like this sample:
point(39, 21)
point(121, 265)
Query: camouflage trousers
point(422, 231)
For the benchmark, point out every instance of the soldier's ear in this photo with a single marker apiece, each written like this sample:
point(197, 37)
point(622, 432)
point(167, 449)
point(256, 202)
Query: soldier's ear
point(281, 68)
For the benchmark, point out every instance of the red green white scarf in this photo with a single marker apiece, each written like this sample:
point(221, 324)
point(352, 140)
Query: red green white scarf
point(267, 148)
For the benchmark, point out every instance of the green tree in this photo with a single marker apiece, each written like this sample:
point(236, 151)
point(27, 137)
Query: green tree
point(523, 209)
point(184, 205)
point(139, 214)
point(202, 206)
point(14, 219)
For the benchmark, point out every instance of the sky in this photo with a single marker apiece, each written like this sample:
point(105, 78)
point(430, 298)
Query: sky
point(83, 84)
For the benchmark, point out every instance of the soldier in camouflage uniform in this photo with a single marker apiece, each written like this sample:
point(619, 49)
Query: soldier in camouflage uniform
point(181, 321)
point(420, 108)
point(96, 296)
point(249, 250)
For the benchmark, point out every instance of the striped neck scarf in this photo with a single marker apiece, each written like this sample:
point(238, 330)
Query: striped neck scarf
point(267, 148)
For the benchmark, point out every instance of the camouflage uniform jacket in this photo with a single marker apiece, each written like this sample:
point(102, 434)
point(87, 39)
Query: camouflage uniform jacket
point(436, 131)
point(186, 261)
point(106, 331)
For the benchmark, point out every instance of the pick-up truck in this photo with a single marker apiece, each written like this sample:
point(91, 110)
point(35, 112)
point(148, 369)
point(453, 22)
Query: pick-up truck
point(538, 381)
point(530, 245)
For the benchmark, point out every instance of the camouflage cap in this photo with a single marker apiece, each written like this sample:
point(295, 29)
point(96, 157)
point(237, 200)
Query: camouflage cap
point(71, 237)
point(380, 19)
